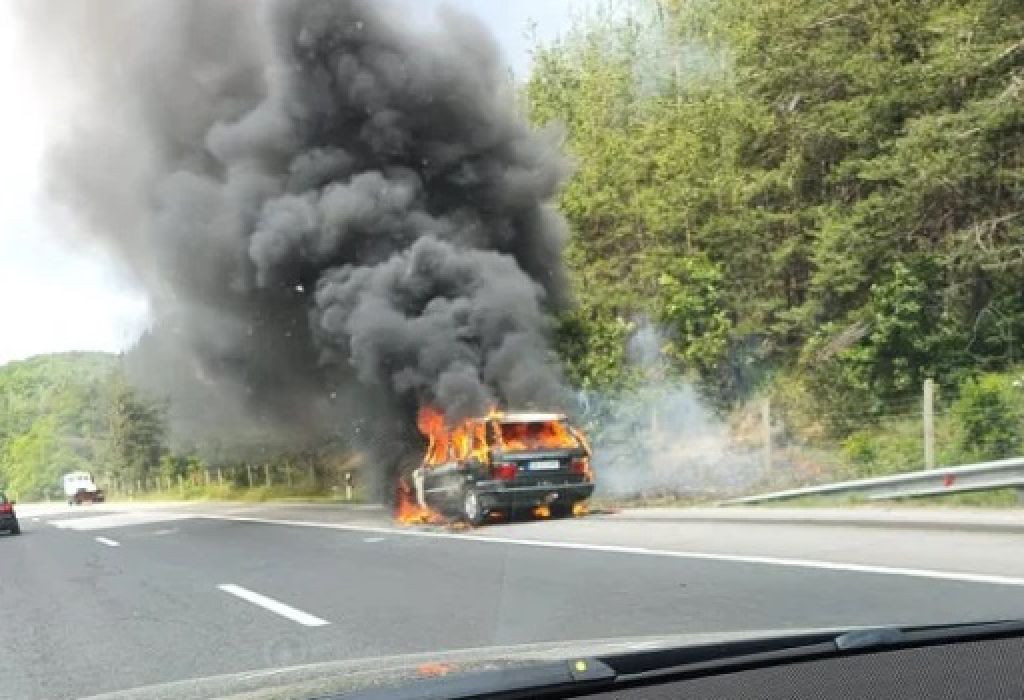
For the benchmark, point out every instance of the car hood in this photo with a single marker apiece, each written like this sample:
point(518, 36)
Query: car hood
point(336, 677)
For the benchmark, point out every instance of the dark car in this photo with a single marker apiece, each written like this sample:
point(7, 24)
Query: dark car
point(8, 518)
point(517, 461)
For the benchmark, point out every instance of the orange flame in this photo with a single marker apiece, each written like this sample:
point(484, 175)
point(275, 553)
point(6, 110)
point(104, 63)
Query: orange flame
point(408, 511)
point(445, 444)
point(537, 436)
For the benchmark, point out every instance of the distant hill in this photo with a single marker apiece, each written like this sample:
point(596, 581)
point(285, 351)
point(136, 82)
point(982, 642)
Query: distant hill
point(53, 417)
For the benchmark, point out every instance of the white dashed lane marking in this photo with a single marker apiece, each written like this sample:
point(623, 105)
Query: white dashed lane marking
point(274, 606)
point(107, 541)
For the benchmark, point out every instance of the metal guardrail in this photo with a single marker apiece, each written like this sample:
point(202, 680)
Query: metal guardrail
point(1003, 473)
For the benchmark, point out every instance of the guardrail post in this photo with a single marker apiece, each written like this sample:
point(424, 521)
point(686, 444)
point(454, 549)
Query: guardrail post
point(766, 427)
point(929, 423)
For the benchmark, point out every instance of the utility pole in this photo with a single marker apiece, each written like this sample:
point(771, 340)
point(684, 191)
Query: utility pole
point(766, 427)
point(268, 474)
point(929, 423)
point(248, 470)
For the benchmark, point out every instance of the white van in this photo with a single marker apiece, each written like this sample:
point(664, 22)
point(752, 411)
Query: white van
point(80, 488)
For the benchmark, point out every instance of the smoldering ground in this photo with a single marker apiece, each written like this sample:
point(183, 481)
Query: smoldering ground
point(335, 215)
point(660, 439)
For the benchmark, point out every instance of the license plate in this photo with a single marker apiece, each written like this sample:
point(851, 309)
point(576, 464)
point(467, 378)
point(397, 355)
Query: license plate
point(545, 464)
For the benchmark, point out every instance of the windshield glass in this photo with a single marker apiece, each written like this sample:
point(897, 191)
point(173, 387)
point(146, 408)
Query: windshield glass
point(345, 329)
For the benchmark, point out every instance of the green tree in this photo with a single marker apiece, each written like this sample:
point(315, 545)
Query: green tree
point(136, 434)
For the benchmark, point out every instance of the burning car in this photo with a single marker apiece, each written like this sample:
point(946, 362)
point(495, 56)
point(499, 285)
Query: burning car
point(502, 462)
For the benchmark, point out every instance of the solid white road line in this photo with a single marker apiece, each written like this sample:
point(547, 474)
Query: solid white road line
point(955, 576)
point(113, 520)
point(273, 606)
point(374, 539)
point(107, 541)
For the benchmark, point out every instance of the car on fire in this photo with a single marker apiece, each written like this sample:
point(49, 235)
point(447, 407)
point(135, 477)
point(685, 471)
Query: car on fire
point(504, 462)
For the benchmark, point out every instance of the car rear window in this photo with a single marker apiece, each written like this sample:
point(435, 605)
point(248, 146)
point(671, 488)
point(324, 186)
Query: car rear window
point(536, 435)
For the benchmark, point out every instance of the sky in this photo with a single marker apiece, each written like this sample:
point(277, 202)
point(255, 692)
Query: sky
point(58, 293)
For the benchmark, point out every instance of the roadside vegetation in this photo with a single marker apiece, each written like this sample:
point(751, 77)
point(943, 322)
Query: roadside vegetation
point(820, 204)
point(815, 202)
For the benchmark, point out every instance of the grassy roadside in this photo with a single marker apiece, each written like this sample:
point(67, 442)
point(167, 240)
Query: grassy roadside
point(225, 492)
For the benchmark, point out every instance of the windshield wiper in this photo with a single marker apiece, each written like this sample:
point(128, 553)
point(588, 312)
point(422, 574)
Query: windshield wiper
point(684, 662)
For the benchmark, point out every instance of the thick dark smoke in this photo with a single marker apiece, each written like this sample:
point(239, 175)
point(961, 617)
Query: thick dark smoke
point(336, 215)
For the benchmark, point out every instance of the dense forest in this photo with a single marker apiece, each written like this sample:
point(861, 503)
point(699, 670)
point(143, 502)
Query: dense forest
point(817, 202)
point(822, 193)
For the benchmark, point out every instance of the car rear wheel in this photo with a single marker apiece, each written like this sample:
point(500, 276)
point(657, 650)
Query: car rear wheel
point(472, 509)
point(16, 529)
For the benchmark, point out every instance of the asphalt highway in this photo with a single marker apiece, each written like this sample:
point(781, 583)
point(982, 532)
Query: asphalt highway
point(106, 598)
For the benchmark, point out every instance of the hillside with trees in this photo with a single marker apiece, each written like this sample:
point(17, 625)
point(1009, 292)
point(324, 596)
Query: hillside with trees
point(53, 418)
point(820, 201)
point(79, 411)
point(817, 203)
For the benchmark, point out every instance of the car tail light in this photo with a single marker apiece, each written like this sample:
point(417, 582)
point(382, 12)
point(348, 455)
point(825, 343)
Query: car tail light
point(506, 471)
point(6, 507)
point(579, 465)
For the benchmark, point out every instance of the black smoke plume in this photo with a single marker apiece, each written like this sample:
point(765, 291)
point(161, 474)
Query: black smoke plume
point(336, 215)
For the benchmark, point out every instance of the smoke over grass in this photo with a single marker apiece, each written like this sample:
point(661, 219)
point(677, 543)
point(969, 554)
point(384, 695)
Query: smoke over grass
point(660, 440)
point(335, 215)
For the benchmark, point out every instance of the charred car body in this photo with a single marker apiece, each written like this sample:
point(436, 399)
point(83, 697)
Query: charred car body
point(502, 462)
